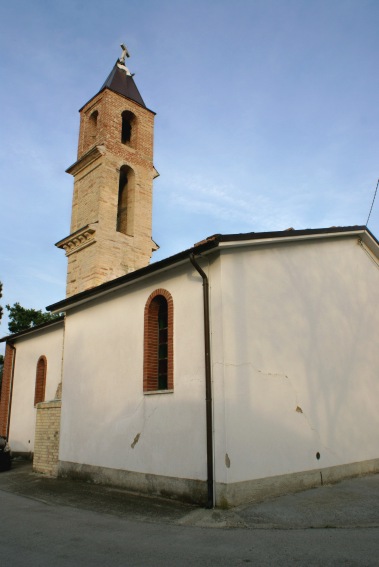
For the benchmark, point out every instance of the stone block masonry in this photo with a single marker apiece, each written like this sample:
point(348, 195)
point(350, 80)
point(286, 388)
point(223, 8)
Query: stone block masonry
point(46, 448)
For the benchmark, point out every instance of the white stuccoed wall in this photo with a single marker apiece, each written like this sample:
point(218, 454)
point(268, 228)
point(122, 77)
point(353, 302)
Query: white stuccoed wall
point(294, 362)
point(104, 408)
point(47, 342)
point(294, 326)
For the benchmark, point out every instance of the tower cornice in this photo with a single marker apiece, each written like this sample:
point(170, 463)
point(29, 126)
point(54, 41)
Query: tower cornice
point(89, 157)
point(78, 239)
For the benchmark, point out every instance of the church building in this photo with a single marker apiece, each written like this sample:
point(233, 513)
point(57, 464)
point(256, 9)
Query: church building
point(241, 368)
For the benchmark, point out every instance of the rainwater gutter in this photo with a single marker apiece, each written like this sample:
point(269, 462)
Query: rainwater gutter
point(208, 384)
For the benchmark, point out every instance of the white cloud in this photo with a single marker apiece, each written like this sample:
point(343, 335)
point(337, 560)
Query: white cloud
point(247, 209)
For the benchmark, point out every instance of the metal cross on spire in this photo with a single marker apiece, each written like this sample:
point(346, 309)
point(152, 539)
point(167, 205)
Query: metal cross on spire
point(121, 60)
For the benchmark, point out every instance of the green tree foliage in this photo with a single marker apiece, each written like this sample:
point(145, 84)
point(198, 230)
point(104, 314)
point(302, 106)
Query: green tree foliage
point(21, 319)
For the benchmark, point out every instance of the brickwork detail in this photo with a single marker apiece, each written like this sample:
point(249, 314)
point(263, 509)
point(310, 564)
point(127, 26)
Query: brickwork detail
point(9, 360)
point(46, 446)
point(150, 357)
point(96, 251)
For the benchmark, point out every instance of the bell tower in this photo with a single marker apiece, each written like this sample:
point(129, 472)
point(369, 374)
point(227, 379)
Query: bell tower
point(111, 221)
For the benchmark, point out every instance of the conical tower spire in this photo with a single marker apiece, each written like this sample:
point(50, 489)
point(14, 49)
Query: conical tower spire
point(120, 80)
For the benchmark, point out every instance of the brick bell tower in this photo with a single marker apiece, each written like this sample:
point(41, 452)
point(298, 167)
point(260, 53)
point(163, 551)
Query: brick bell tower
point(113, 182)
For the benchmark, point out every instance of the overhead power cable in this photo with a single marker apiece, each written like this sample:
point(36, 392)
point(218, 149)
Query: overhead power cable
point(372, 204)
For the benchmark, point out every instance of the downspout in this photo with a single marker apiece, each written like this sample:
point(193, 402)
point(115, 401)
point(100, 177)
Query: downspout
point(208, 383)
point(11, 389)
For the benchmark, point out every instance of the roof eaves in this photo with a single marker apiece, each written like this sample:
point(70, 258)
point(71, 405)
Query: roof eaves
point(128, 279)
point(281, 237)
point(292, 233)
point(208, 245)
point(32, 330)
point(120, 94)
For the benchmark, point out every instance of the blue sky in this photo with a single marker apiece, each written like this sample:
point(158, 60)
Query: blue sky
point(267, 116)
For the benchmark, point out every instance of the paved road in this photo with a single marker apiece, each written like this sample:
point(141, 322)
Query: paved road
point(59, 523)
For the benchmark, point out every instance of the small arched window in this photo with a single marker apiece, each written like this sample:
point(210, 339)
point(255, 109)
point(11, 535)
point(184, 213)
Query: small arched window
point(125, 207)
point(92, 126)
point(39, 394)
point(158, 342)
point(128, 121)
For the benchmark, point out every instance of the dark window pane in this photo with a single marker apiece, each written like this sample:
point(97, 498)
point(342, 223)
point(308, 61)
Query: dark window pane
point(162, 366)
point(162, 314)
point(163, 335)
point(162, 322)
point(162, 351)
point(162, 382)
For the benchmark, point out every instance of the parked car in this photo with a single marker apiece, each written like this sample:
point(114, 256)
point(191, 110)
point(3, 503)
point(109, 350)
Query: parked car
point(5, 454)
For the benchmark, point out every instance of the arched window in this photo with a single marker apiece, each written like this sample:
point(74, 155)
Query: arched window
point(158, 371)
point(128, 121)
point(39, 394)
point(125, 208)
point(92, 127)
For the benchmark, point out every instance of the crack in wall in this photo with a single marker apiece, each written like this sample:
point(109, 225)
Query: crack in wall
point(283, 376)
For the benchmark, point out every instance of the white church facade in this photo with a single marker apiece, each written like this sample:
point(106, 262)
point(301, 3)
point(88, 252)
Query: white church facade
point(244, 367)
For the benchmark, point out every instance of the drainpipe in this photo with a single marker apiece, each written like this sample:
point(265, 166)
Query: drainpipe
point(11, 389)
point(208, 383)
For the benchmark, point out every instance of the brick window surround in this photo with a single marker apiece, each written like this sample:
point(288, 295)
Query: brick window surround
point(6, 389)
point(151, 358)
point(39, 395)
